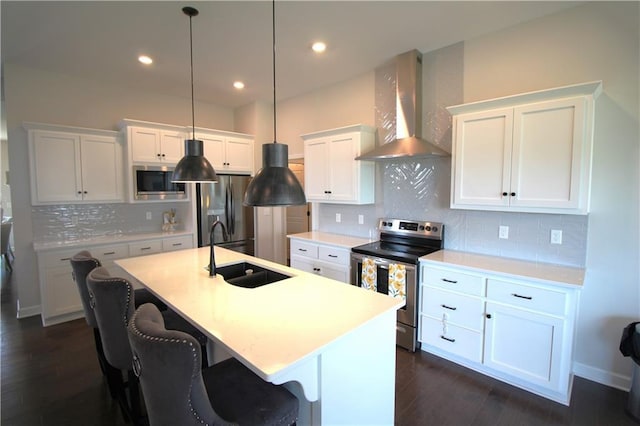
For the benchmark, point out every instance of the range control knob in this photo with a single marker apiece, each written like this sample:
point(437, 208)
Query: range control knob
point(422, 227)
point(428, 228)
point(434, 229)
point(384, 223)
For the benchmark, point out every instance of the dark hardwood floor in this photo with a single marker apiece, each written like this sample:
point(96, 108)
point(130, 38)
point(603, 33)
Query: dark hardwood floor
point(50, 376)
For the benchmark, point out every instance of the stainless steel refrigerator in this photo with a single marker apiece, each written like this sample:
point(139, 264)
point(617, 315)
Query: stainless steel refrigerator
point(222, 200)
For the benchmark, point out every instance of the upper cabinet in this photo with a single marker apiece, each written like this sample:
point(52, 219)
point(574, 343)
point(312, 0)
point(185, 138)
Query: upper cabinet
point(163, 144)
point(331, 174)
point(525, 153)
point(227, 152)
point(74, 165)
point(153, 143)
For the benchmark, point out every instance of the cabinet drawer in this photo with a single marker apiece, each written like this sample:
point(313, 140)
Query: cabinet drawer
point(535, 298)
point(177, 243)
point(453, 280)
point(112, 252)
point(454, 308)
point(56, 258)
point(334, 255)
point(145, 247)
point(450, 338)
point(304, 249)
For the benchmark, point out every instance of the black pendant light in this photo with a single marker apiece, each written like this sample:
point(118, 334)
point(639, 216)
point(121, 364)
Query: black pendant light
point(274, 184)
point(193, 167)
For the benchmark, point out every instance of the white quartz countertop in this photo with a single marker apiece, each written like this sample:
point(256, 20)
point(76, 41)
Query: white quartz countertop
point(344, 241)
point(272, 328)
point(106, 239)
point(543, 272)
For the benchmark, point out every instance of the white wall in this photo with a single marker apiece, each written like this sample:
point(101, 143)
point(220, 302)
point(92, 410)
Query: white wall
point(34, 95)
point(596, 41)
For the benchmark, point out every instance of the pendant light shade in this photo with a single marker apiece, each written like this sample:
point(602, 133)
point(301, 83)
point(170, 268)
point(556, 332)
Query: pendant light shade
point(193, 167)
point(274, 184)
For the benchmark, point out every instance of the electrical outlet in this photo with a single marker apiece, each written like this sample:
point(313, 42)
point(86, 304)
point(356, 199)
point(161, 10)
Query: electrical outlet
point(503, 232)
point(556, 236)
point(360, 219)
point(338, 217)
point(149, 216)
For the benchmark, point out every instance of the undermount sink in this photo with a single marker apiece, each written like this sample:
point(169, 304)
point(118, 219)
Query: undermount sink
point(248, 275)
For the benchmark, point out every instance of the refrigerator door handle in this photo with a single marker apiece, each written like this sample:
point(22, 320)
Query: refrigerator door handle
point(231, 220)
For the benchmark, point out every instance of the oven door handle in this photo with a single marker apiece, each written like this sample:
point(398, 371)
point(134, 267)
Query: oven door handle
point(385, 263)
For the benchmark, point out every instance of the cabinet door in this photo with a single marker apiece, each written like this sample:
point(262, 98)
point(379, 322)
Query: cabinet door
point(342, 170)
point(316, 166)
point(302, 264)
point(482, 158)
point(214, 150)
point(239, 155)
point(59, 292)
point(548, 145)
point(335, 272)
point(55, 167)
point(171, 146)
point(101, 168)
point(145, 144)
point(524, 344)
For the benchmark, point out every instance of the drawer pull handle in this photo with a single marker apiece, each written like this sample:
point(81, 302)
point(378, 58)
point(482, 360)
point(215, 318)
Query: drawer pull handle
point(448, 339)
point(304, 250)
point(145, 248)
point(109, 253)
point(521, 297)
point(449, 281)
point(332, 255)
point(449, 307)
point(176, 244)
point(65, 259)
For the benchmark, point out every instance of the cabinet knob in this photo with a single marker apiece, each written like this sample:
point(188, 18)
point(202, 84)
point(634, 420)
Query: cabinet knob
point(504, 194)
point(79, 192)
point(163, 155)
point(84, 192)
point(513, 194)
point(158, 155)
point(488, 316)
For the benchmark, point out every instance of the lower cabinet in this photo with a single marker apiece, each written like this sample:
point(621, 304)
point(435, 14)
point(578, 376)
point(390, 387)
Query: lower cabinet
point(325, 260)
point(59, 297)
point(518, 330)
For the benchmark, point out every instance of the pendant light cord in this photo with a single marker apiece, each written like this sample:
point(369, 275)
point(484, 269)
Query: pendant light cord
point(273, 13)
point(193, 115)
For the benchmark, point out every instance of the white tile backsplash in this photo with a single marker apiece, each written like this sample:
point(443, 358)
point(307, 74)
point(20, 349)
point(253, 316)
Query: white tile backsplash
point(56, 222)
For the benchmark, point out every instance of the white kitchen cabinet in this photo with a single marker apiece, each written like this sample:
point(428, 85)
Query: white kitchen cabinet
point(321, 259)
point(331, 174)
point(512, 320)
point(59, 297)
point(228, 152)
point(525, 153)
point(155, 145)
point(74, 165)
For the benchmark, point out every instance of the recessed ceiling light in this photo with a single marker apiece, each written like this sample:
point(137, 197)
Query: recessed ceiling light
point(145, 59)
point(319, 47)
point(238, 85)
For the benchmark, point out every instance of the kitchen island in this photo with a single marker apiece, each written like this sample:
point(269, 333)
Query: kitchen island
point(331, 343)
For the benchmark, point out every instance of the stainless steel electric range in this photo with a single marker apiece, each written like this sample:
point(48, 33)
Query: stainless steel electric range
point(402, 242)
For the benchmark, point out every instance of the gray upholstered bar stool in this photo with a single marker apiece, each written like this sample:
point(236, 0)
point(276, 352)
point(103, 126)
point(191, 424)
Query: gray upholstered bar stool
point(82, 263)
point(178, 392)
point(113, 301)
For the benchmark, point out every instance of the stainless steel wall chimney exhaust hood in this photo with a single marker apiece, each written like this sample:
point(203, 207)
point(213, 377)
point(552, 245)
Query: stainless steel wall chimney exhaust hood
point(408, 143)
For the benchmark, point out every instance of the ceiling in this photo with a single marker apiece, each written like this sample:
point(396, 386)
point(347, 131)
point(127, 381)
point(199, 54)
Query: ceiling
point(232, 40)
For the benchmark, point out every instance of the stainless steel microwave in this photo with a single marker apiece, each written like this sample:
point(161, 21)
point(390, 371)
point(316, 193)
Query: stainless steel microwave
point(154, 183)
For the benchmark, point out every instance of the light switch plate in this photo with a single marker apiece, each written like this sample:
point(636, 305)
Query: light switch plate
point(360, 219)
point(338, 217)
point(503, 232)
point(149, 217)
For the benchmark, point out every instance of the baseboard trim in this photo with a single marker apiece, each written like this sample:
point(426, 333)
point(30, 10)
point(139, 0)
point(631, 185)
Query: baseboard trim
point(29, 311)
point(603, 377)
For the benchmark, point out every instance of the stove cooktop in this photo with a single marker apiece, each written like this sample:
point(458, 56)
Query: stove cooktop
point(404, 240)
